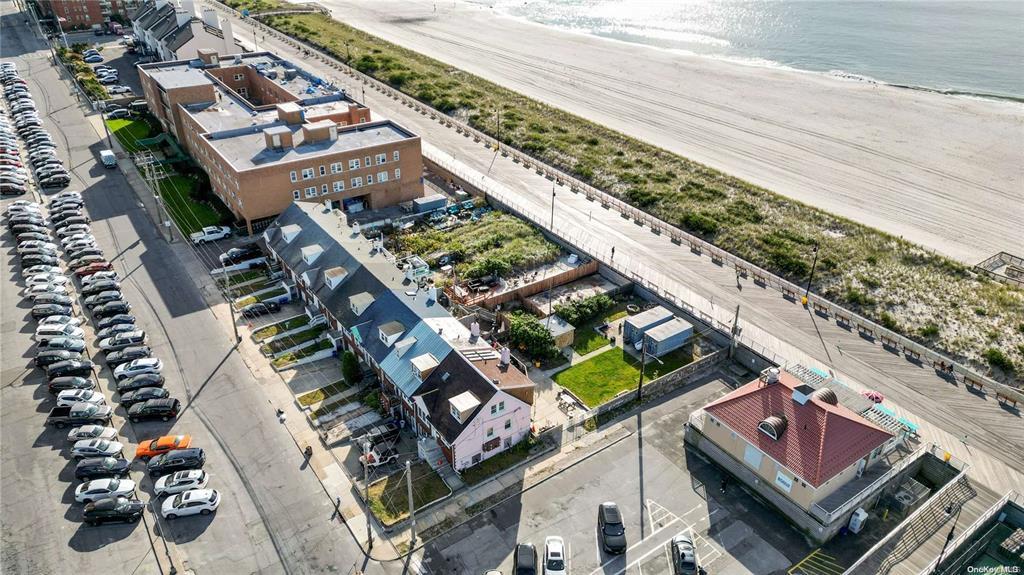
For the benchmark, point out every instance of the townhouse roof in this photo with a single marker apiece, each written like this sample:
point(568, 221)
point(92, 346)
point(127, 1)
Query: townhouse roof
point(143, 10)
point(816, 440)
point(164, 26)
point(153, 17)
point(392, 306)
point(180, 36)
point(451, 379)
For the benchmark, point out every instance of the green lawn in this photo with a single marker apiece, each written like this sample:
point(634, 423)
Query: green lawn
point(239, 277)
point(252, 288)
point(280, 327)
point(498, 463)
point(603, 376)
point(389, 498)
point(588, 340)
point(325, 409)
point(304, 352)
point(279, 345)
point(323, 393)
point(129, 132)
point(190, 215)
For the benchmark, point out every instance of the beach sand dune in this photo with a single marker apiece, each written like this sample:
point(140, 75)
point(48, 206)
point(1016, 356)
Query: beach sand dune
point(945, 172)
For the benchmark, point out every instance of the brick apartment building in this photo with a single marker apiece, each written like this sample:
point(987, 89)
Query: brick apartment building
point(78, 14)
point(268, 133)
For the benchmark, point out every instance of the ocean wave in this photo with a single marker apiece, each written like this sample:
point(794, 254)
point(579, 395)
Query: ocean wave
point(652, 33)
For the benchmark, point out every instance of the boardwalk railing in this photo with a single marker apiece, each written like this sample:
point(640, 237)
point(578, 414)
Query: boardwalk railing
point(897, 343)
point(827, 517)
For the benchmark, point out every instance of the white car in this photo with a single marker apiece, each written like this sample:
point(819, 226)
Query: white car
point(75, 238)
point(210, 234)
point(60, 320)
point(73, 229)
point(96, 448)
point(36, 244)
point(23, 209)
point(41, 269)
point(118, 89)
point(192, 502)
point(47, 279)
point(92, 432)
point(181, 481)
point(138, 367)
point(554, 556)
point(104, 275)
point(38, 290)
point(69, 397)
point(102, 488)
point(80, 244)
point(52, 330)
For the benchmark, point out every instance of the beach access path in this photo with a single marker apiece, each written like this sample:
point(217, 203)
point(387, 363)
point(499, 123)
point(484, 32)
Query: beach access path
point(941, 171)
point(778, 328)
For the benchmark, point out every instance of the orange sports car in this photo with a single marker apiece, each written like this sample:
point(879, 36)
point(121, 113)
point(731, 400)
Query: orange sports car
point(152, 447)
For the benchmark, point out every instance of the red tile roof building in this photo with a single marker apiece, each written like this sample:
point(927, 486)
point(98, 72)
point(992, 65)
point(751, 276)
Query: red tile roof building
point(817, 439)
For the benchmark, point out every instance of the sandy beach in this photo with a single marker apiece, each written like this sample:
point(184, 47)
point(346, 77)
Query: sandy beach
point(946, 172)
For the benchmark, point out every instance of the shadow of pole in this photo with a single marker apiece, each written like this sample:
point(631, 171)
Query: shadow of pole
point(640, 465)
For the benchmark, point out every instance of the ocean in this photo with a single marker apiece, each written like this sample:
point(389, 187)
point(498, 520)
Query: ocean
point(965, 47)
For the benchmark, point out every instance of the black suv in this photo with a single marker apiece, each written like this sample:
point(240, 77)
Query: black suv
point(240, 254)
point(130, 398)
point(163, 409)
point(140, 381)
point(257, 309)
point(609, 524)
point(71, 367)
point(101, 467)
point(525, 560)
point(59, 384)
point(111, 309)
point(51, 356)
point(116, 358)
point(176, 460)
point(113, 510)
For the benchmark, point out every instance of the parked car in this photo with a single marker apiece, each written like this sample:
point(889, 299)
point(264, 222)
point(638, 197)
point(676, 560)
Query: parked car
point(524, 559)
point(77, 220)
point(118, 89)
point(119, 319)
point(100, 287)
point(118, 114)
point(102, 298)
point(47, 279)
point(72, 397)
point(92, 432)
point(379, 455)
point(79, 414)
point(210, 234)
point(96, 448)
point(126, 355)
point(138, 367)
point(29, 261)
point(162, 409)
point(611, 528)
point(122, 340)
point(53, 298)
point(37, 290)
point(111, 331)
point(81, 368)
point(57, 181)
point(140, 381)
point(49, 357)
point(83, 252)
point(684, 555)
point(84, 261)
point(75, 229)
point(152, 447)
point(176, 460)
point(99, 276)
point(99, 467)
point(73, 345)
point(240, 254)
point(554, 556)
point(59, 384)
point(92, 59)
point(191, 502)
point(112, 509)
point(104, 488)
point(45, 310)
point(375, 434)
point(143, 395)
point(59, 326)
point(258, 309)
point(180, 481)
point(93, 268)
point(111, 309)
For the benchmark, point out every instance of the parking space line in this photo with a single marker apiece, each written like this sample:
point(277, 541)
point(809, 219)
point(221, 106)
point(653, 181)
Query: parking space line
point(816, 563)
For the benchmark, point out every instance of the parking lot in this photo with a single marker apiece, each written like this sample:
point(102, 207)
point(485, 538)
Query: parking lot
point(114, 55)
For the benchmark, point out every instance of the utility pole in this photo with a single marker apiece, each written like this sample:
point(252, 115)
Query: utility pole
point(552, 228)
point(366, 493)
point(412, 506)
point(147, 161)
point(643, 362)
point(735, 331)
point(810, 278)
point(949, 536)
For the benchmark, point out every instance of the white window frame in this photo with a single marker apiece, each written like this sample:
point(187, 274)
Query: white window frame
point(323, 170)
point(395, 156)
point(311, 192)
point(508, 423)
point(368, 163)
point(307, 173)
point(353, 164)
point(297, 194)
point(294, 175)
point(382, 158)
point(239, 77)
point(336, 168)
point(398, 173)
point(339, 186)
point(357, 182)
point(490, 432)
point(369, 179)
point(323, 190)
point(382, 176)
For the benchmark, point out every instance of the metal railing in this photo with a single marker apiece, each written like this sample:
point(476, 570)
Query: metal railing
point(827, 517)
point(912, 350)
point(973, 527)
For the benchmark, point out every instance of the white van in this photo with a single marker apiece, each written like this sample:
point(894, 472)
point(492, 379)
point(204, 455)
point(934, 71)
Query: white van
point(108, 158)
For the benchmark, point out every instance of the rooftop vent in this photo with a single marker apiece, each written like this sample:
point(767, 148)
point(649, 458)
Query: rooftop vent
point(826, 395)
point(773, 426)
point(802, 393)
point(771, 376)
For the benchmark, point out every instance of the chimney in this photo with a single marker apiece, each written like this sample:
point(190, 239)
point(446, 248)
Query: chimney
point(208, 56)
point(229, 35)
point(190, 7)
point(209, 17)
point(474, 329)
point(506, 356)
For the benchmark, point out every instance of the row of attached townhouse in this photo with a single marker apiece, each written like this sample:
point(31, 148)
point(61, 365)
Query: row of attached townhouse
point(446, 383)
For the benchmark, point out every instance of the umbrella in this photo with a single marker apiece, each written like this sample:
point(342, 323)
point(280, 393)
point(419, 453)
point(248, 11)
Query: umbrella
point(874, 396)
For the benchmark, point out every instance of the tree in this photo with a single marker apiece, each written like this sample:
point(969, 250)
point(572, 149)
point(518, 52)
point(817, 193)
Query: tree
point(527, 333)
point(350, 369)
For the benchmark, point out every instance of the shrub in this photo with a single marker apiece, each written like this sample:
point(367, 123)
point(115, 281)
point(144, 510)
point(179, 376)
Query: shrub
point(528, 334)
point(578, 312)
point(888, 322)
point(930, 330)
point(350, 369)
point(996, 358)
point(700, 224)
point(857, 297)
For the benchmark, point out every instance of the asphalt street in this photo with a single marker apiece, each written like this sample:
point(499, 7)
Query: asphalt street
point(662, 491)
point(275, 518)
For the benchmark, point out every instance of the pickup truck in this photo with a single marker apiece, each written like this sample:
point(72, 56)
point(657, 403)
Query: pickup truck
point(379, 455)
point(79, 414)
point(375, 434)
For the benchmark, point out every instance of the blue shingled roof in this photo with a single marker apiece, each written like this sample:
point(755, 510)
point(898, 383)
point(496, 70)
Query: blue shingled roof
point(399, 369)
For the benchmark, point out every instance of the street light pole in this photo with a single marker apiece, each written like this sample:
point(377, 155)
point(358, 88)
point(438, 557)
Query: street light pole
point(643, 362)
point(366, 493)
point(949, 536)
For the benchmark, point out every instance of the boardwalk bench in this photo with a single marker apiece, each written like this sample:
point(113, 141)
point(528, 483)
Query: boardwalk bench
point(1006, 400)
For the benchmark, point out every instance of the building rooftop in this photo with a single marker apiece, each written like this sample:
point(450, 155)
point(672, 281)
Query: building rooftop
point(181, 77)
point(817, 440)
point(668, 329)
